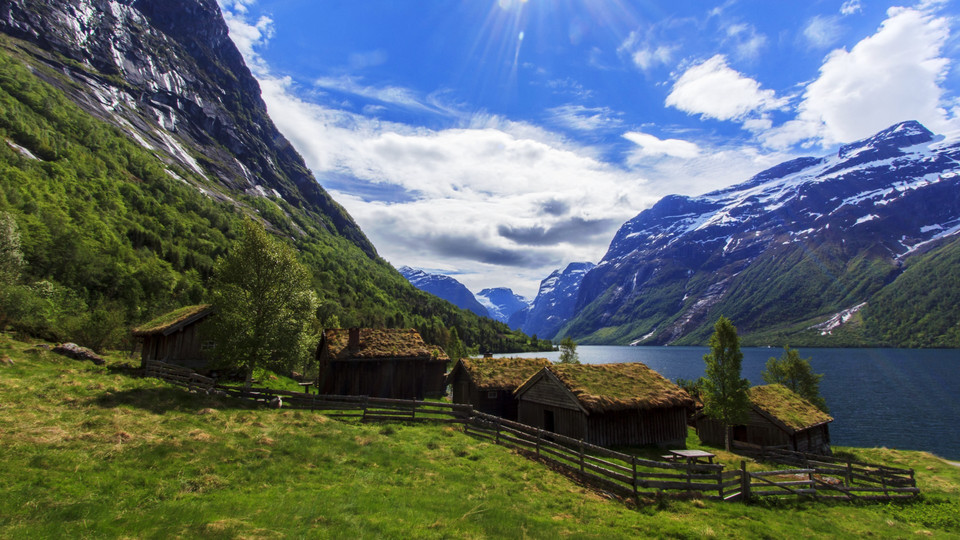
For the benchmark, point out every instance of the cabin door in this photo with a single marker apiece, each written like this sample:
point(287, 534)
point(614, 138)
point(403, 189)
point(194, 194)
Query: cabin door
point(548, 422)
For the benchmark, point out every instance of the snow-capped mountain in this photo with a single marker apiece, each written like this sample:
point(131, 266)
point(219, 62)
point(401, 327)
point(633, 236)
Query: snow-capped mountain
point(502, 303)
point(804, 240)
point(554, 304)
point(444, 287)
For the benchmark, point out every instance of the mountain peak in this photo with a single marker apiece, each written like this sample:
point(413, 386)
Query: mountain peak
point(900, 135)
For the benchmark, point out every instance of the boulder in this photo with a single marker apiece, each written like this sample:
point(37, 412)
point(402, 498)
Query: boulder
point(72, 350)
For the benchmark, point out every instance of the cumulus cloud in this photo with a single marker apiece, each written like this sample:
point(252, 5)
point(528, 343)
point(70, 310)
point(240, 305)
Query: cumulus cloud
point(746, 42)
point(888, 77)
point(714, 90)
point(651, 146)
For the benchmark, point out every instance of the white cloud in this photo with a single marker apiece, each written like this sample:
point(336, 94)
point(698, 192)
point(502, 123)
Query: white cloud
point(891, 76)
point(850, 7)
point(822, 32)
point(387, 94)
point(648, 48)
point(747, 43)
point(713, 90)
point(651, 146)
point(245, 35)
point(581, 118)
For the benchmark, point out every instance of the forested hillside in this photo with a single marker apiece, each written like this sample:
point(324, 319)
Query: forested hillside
point(111, 235)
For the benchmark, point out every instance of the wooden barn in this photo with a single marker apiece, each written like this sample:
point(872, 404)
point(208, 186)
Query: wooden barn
point(380, 362)
point(488, 383)
point(606, 404)
point(778, 417)
point(175, 338)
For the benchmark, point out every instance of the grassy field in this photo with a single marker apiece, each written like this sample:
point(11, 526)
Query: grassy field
point(94, 451)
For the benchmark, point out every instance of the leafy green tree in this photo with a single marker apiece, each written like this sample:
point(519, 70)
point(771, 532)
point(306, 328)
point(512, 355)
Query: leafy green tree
point(455, 349)
point(724, 392)
point(568, 351)
point(694, 387)
point(264, 305)
point(796, 374)
point(11, 257)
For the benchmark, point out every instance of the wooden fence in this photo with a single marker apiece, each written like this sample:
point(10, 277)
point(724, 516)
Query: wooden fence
point(622, 474)
point(838, 478)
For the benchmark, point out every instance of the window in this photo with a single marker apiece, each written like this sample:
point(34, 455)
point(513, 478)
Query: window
point(492, 394)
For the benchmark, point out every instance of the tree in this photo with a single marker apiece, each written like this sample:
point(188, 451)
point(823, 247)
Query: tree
point(796, 374)
point(264, 305)
point(725, 393)
point(11, 257)
point(568, 351)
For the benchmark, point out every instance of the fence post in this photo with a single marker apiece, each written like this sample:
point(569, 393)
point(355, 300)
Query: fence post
point(849, 472)
point(720, 484)
point(883, 482)
point(498, 431)
point(744, 482)
point(636, 496)
point(581, 455)
point(539, 434)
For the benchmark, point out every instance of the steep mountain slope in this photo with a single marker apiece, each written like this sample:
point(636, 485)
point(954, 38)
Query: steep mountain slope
point(167, 73)
point(785, 250)
point(134, 140)
point(554, 304)
point(444, 287)
point(502, 303)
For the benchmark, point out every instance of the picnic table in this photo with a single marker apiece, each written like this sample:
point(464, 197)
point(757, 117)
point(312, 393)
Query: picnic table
point(690, 456)
point(306, 386)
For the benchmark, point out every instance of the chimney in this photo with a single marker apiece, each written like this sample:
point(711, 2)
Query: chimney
point(354, 342)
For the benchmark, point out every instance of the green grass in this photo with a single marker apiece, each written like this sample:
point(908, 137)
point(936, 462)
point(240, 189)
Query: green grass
point(92, 451)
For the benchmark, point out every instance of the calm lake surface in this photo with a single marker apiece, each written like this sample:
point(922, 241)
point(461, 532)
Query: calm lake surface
point(898, 398)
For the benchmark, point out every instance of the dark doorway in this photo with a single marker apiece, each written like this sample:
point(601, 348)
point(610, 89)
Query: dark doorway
point(548, 421)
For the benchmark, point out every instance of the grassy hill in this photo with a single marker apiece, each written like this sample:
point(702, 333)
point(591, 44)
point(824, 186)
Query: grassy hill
point(93, 451)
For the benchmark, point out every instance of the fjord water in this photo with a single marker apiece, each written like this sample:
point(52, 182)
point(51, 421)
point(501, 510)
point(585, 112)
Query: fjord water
point(907, 399)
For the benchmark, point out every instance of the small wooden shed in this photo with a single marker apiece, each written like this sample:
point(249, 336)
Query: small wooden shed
point(777, 417)
point(606, 404)
point(175, 338)
point(380, 362)
point(488, 383)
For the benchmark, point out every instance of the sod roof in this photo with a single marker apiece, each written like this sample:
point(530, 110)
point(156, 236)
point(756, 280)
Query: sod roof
point(377, 343)
point(501, 373)
point(615, 387)
point(170, 321)
point(788, 407)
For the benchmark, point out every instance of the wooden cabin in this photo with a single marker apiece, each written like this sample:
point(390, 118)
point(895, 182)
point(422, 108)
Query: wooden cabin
point(606, 404)
point(777, 417)
point(488, 383)
point(380, 362)
point(175, 338)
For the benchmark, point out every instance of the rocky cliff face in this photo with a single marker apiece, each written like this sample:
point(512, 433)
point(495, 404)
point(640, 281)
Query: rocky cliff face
point(802, 241)
point(167, 73)
point(555, 303)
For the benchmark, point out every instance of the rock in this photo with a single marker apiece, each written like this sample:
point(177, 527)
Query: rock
point(72, 350)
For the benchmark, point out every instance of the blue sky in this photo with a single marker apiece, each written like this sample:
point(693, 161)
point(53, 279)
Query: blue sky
point(497, 140)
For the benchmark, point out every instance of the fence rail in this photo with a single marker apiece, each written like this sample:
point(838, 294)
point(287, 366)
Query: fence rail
point(821, 477)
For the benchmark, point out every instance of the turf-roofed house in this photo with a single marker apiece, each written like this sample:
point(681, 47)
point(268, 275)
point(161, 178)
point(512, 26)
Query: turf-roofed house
point(380, 362)
point(488, 383)
point(606, 404)
point(778, 417)
point(177, 338)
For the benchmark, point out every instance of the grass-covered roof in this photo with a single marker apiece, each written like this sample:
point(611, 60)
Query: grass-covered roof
point(501, 373)
point(788, 407)
point(169, 320)
point(613, 387)
point(381, 343)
